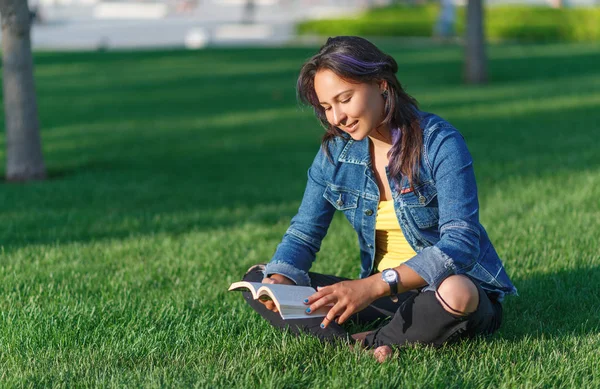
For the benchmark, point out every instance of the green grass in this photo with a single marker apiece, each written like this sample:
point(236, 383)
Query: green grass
point(515, 23)
point(172, 172)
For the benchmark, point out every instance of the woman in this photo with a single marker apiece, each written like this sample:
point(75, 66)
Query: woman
point(405, 181)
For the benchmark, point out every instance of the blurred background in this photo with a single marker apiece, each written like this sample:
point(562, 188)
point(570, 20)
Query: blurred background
point(84, 24)
point(89, 24)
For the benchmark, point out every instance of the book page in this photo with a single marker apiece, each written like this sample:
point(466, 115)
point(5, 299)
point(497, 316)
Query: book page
point(289, 299)
point(252, 287)
point(287, 295)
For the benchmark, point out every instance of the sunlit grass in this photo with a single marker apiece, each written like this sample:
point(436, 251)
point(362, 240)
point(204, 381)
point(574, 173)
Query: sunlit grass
point(172, 172)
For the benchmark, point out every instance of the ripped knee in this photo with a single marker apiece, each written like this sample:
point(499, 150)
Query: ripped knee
point(458, 295)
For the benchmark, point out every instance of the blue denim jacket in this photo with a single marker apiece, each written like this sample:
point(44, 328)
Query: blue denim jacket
point(439, 218)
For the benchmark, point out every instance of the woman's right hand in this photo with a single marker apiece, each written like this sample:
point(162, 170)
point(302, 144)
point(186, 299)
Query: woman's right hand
point(275, 279)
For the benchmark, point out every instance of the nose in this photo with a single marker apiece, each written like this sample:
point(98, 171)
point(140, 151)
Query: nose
point(338, 116)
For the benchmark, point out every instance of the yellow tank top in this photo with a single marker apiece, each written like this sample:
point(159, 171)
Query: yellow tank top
point(391, 247)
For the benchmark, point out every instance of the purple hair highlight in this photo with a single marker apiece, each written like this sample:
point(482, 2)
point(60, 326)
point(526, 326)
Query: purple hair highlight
point(358, 67)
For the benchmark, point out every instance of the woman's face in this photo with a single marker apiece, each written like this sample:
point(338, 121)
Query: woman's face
point(356, 109)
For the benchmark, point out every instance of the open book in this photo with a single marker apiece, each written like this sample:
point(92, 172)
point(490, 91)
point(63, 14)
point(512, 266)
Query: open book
point(289, 299)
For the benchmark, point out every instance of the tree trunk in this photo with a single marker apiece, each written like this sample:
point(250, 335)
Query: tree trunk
point(24, 160)
point(475, 61)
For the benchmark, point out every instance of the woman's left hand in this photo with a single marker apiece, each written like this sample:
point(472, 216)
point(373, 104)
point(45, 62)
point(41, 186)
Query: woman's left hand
point(347, 297)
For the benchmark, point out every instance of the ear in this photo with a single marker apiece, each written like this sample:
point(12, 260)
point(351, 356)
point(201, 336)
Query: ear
point(383, 86)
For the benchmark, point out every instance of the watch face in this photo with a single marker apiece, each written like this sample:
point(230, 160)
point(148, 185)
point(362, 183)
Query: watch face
point(389, 275)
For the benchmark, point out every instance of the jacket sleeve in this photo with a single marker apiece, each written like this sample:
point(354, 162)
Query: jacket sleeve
point(451, 164)
point(302, 240)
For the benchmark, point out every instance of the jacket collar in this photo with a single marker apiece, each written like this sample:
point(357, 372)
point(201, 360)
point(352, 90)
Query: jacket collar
point(356, 152)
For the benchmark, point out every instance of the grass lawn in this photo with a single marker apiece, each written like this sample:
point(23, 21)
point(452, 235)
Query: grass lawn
point(172, 172)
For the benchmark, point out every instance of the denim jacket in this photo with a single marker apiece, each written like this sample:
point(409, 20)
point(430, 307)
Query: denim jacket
point(439, 218)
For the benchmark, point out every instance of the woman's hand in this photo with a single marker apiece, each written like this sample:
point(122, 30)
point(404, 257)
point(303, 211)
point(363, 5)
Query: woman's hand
point(275, 279)
point(347, 297)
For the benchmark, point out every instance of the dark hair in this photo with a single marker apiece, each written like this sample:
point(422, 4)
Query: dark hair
point(356, 59)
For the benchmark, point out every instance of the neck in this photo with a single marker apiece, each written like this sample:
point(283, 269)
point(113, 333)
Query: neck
point(381, 136)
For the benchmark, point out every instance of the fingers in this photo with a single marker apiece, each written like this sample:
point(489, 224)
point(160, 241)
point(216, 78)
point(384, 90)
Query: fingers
point(321, 291)
point(321, 302)
point(332, 314)
point(327, 296)
point(345, 316)
point(270, 305)
point(280, 279)
point(277, 279)
point(346, 298)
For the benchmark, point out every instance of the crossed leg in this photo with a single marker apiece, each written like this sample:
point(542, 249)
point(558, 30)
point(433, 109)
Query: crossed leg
point(419, 317)
point(457, 294)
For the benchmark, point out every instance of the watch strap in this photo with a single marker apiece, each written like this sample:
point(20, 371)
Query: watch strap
point(393, 284)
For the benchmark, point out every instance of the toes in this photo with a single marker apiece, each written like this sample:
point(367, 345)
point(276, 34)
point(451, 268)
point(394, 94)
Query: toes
point(382, 353)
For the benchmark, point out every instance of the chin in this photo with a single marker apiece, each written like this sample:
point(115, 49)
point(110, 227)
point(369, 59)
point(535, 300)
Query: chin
point(358, 137)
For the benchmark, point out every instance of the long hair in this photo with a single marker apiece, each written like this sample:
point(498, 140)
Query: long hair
point(357, 60)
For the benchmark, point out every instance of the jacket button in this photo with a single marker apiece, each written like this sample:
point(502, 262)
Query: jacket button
point(368, 212)
point(422, 199)
point(339, 203)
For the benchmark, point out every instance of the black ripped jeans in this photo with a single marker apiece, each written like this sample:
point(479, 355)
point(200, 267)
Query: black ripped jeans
point(417, 317)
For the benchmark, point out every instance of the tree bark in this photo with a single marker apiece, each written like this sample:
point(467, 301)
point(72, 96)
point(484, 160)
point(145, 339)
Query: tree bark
point(475, 56)
point(24, 159)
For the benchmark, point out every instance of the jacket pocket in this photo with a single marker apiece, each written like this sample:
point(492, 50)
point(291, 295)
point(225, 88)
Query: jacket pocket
point(422, 204)
point(342, 199)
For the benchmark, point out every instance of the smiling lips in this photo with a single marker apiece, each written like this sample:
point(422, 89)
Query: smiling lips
point(352, 127)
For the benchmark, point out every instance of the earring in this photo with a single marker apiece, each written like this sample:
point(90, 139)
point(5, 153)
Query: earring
point(384, 94)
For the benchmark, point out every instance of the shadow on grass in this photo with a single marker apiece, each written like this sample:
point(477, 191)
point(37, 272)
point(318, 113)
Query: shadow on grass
point(557, 304)
point(215, 139)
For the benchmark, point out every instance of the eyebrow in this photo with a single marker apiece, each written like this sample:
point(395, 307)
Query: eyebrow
point(336, 96)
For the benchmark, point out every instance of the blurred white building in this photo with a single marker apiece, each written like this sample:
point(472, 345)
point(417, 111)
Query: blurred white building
point(125, 24)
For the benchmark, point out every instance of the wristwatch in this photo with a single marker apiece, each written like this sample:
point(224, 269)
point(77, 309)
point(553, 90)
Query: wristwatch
point(391, 277)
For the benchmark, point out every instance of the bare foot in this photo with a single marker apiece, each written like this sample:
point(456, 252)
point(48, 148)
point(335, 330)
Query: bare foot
point(383, 353)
